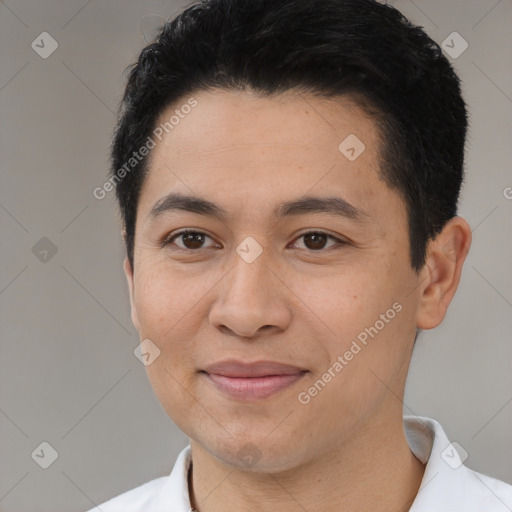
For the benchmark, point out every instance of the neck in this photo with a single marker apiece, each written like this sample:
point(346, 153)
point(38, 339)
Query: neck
point(373, 470)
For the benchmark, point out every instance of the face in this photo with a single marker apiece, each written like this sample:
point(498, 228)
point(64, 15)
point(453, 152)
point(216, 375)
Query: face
point(299, 258)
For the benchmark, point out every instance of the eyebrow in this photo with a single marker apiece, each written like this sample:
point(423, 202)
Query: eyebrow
point(308, 204)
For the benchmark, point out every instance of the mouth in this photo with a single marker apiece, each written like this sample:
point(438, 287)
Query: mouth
point(252, 381)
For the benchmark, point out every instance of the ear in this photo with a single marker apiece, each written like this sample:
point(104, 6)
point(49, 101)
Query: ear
point(440, 276)
point(128, 271)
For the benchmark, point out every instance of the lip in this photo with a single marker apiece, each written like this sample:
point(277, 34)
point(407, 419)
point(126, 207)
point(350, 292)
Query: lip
point(252, 381)
point(235, 368)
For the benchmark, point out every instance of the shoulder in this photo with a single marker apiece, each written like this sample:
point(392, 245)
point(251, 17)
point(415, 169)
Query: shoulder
point(156, 495)
point(490, 490)
point(135, 499)
point(448, 485)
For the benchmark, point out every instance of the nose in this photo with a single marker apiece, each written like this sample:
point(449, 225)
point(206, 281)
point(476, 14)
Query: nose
point(251, 300)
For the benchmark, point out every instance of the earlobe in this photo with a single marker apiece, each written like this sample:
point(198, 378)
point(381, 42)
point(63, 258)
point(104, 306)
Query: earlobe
point(128, 271)
point(441, 274)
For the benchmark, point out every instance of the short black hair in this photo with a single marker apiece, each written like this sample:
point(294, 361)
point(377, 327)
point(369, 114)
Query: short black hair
point(363, 50)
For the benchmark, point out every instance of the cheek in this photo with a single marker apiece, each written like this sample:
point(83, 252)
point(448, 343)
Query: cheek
point(168, 308)
point(347, 302)
point(369, 326)
point(165, 297)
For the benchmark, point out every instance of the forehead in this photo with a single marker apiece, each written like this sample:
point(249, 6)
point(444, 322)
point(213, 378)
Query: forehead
point(309, 123)
point(263, 150)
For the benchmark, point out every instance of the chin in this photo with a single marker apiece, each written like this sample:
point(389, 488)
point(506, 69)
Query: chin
point(255, 453)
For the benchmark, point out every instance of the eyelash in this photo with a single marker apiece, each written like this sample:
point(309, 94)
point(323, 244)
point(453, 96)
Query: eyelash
point(168, 241)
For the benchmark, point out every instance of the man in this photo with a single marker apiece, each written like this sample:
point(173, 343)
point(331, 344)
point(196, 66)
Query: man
point(288, 175)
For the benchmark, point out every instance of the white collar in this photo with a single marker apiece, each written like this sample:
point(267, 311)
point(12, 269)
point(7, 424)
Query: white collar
point(447, 485)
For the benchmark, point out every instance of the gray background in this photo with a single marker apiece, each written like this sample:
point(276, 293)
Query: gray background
point(68, 375)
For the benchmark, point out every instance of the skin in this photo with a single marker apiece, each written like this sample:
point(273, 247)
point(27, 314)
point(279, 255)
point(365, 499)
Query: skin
point(346, 449)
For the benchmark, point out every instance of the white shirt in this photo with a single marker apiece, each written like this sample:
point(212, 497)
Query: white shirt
point(447, 485)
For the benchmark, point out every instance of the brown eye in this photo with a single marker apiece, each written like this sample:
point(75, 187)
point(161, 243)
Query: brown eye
point(193, 240)
point(190, 240)
point(316, 240)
